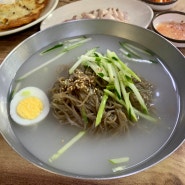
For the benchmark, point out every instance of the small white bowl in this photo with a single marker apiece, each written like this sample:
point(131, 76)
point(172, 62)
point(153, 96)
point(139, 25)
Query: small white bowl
point(170, 17)
point(161, 6)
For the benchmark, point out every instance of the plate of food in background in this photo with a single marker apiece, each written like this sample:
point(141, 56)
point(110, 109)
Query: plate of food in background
point(132, 12)
point(19, 15)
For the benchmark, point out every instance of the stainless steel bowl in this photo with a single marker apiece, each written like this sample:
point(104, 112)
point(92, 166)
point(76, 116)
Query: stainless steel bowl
point(171, 58)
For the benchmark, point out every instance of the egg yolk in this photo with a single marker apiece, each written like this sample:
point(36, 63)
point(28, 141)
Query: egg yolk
point(29, 108)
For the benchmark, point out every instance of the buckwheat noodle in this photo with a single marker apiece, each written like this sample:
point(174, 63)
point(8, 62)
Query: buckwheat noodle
point(75, 100)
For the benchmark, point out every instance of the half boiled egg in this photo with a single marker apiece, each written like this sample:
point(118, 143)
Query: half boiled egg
point(29, 106)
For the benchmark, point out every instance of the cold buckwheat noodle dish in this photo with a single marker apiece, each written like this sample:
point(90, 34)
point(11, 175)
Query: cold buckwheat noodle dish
point(106, 100)
point(100, 94)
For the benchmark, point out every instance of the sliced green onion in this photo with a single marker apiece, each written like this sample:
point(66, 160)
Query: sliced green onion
point(67, 146)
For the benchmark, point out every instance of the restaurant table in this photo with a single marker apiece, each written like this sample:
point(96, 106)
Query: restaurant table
point(14, 170)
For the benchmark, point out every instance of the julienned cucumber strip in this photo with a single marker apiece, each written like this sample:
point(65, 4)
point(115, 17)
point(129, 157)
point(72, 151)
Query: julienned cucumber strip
point(65, 49)
point(39, 67)
point(119, 77)
point(59, 45)
point(121, 66)
point(137, 49)
point(80, 60)
point(101, 109)
point(129, 50)
point(133, 53)
point(119, 160)
point(67, 146)
point(128, 105)
point(128, 57)
point(118, 168)
point(63, 44)
point(143, 115)
point(129, 83)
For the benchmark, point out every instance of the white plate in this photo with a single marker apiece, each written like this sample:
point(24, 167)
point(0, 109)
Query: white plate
point(50, 7)
point(138, 13)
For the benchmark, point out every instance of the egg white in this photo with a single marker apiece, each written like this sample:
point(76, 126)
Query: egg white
point(33, 91)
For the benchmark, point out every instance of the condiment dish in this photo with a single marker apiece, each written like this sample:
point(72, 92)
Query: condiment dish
point(171, 25)
point(161, 5)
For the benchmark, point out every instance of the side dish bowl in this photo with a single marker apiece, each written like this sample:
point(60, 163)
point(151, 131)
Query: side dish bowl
point(161, 5)
point(171, 25)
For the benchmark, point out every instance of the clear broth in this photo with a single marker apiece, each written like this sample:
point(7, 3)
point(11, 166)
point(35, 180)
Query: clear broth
point(90, 155)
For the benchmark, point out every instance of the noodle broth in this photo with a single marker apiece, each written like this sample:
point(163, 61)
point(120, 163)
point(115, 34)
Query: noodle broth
point(90, 155)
